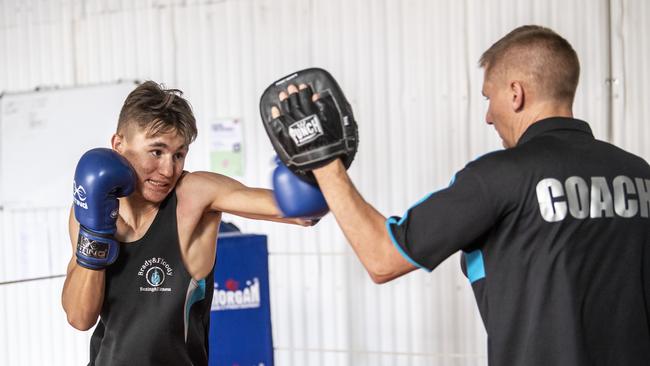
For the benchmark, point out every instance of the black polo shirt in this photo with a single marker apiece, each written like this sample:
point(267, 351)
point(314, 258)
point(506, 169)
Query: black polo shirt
point(555, 235)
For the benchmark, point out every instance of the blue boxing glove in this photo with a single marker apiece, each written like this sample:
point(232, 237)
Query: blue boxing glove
point(102, 175)
point(296, 197)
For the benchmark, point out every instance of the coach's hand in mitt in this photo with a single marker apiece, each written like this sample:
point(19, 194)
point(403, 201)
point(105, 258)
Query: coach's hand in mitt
point(309, 125)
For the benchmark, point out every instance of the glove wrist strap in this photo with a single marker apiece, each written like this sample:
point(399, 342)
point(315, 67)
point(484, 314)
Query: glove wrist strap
point(95, 251)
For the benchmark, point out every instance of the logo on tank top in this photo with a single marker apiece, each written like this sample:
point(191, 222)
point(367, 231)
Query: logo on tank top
point(234, 297)
point(155, 271)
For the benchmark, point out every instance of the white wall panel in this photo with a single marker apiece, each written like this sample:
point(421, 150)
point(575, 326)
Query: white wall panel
point(34, 327)
point(631, 78)
point(408, 67)
point(582, 22)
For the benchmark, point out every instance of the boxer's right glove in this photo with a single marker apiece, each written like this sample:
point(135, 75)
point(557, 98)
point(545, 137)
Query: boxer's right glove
point(309, 134)
point(102, 175)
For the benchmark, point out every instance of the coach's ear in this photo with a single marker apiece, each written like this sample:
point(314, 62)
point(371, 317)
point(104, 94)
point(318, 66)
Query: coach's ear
point(518, 96)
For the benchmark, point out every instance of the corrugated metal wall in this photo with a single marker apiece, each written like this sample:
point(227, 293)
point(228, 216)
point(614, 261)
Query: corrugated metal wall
point(630, 78)
point(408, 68)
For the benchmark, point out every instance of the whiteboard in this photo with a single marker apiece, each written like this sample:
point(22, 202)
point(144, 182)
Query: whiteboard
point(44, 133)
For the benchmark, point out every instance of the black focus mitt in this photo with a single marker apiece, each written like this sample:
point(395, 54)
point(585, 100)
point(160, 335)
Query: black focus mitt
point(310, 133)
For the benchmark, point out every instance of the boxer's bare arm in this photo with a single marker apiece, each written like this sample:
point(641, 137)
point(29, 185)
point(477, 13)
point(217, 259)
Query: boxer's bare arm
point(202, 197)
point(83, 289)
point(362, 224)
point(223, 194)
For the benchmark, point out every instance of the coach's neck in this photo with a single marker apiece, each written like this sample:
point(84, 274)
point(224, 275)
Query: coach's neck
point(539, 111)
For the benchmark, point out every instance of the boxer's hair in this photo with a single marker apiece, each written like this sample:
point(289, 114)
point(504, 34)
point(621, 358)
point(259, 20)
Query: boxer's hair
point(158, 110)
point(541, 56)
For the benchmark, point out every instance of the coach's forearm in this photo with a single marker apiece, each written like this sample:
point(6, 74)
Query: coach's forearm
point(362, 224)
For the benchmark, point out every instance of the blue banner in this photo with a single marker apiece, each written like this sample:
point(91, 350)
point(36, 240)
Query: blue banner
point(240, 321)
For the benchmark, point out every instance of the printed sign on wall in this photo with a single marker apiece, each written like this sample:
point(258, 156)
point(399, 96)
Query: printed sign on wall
point(225, 144)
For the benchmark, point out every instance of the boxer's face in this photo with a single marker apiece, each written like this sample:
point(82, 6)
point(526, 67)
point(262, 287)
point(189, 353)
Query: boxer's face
point(158, 160)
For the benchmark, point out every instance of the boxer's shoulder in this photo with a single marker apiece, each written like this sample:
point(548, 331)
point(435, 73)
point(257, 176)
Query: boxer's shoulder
point(190, 182)
point(194, 194)
point(190, 201)
point(203, 190)
point(194, 190)
point(197, 226)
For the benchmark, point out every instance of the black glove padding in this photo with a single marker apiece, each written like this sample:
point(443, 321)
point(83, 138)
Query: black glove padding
point(309, 134)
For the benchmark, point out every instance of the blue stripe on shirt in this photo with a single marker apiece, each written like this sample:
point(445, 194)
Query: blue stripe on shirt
point(475, 265)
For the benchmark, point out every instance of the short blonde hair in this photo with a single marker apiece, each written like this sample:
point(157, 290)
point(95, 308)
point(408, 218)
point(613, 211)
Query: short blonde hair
point(547, 59)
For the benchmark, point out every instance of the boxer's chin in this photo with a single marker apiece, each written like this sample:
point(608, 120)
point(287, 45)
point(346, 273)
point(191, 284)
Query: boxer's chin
point(155, 191)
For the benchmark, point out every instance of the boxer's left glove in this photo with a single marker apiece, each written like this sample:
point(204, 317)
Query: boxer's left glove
point(295, 197)
point(102, 175)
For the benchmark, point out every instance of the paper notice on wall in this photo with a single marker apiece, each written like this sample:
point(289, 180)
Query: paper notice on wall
point(225, 144)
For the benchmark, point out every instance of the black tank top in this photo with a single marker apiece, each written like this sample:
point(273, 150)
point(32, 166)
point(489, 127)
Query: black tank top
point(154, 312)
